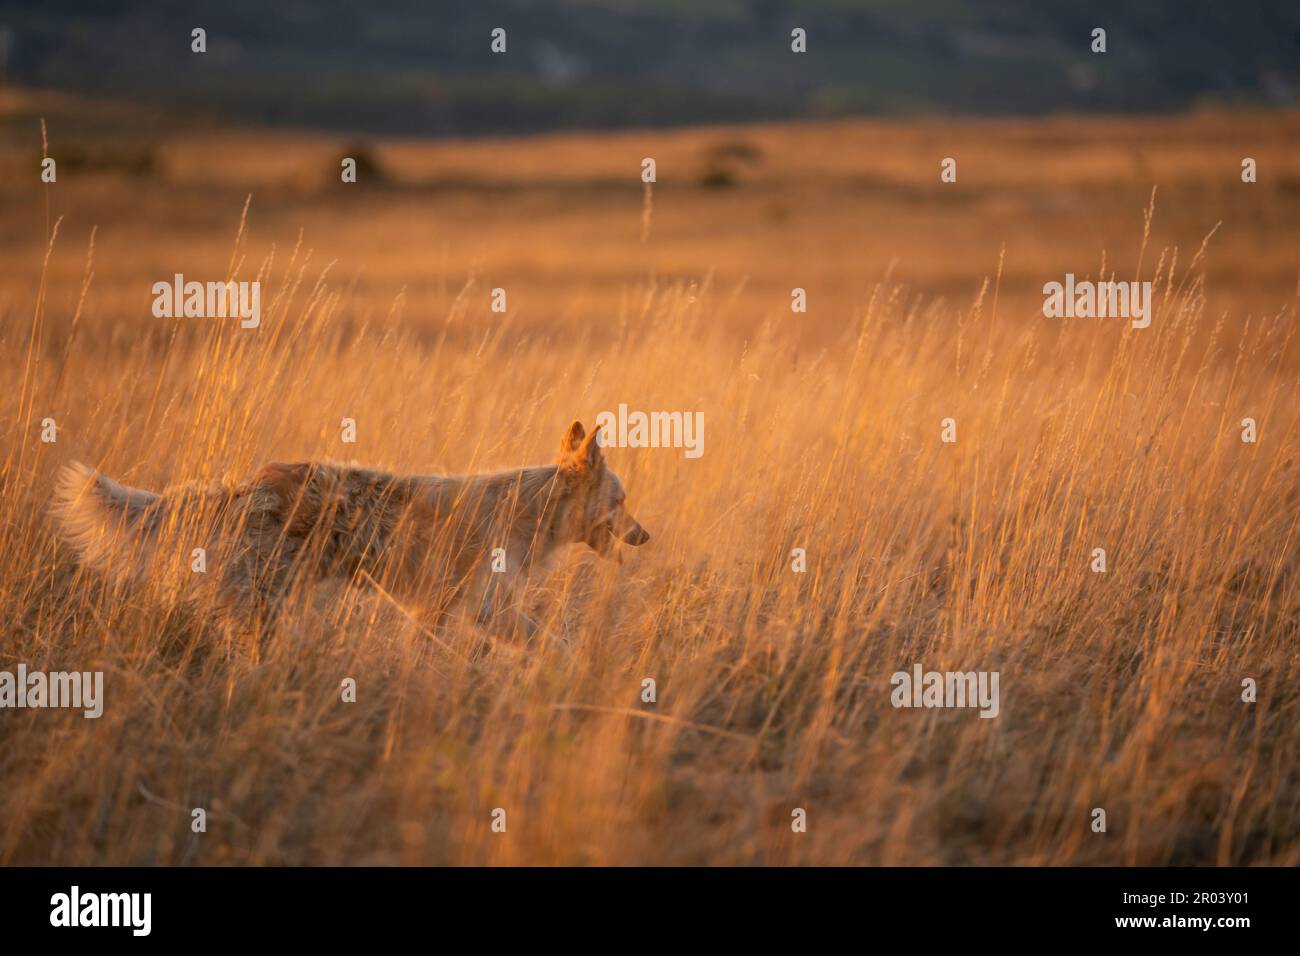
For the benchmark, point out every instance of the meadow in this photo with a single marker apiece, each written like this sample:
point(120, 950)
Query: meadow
point(1120, 690)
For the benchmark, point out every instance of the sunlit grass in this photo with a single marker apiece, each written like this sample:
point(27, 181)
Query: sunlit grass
point(1119, 690)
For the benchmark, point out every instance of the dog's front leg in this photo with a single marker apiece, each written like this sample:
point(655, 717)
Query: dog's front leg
point(524, 623)
point(500, 603)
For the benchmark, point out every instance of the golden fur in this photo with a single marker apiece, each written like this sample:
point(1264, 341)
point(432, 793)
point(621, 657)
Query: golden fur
point(429, 538)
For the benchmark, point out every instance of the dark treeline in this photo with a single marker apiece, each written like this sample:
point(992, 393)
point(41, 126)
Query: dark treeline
point(424, 66)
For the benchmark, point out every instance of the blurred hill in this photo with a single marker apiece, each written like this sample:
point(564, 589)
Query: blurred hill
point(424, 66)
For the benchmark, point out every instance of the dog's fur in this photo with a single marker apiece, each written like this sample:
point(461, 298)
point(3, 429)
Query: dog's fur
point(425, 538)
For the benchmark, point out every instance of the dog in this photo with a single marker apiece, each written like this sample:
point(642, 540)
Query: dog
point(434, 539)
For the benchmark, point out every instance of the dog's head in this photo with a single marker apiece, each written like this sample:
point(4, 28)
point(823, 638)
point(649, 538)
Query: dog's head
point(592, 507)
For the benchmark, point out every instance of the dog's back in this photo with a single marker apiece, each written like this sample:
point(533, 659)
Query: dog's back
point(314, 519)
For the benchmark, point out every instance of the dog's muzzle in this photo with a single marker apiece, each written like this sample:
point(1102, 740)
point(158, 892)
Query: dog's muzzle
point(635, 536)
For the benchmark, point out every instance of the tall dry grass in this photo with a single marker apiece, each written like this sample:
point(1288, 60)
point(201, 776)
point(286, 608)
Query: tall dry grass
point(1119, 690)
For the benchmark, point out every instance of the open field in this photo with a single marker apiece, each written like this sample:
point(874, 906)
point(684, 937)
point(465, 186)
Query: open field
point(1120, 690)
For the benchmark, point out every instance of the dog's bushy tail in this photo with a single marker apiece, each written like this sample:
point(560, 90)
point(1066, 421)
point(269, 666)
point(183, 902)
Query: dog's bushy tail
point(111, 526)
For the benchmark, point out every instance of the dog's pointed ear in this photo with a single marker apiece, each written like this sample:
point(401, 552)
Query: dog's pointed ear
point(589, 452)
point(572, 439)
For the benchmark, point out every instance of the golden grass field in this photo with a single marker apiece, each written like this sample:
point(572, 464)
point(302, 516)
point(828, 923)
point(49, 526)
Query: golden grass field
point(1119, 690)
